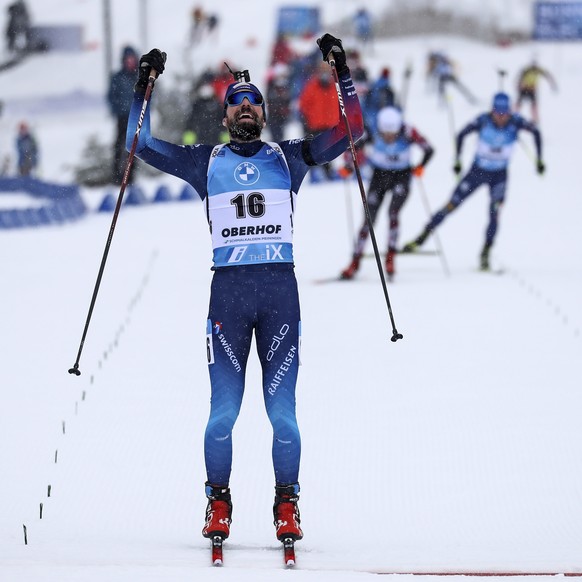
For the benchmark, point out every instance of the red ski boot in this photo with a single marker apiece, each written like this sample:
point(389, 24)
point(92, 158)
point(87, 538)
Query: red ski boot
point(390, 263)
point(218, 512)
point(349, 272)
point(286, 513)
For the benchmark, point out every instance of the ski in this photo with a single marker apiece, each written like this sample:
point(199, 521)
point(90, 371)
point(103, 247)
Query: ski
point(492, 271)
point(336, 279)
point(217, 551)
point(289, 552)
point(418, 252)
point(340, 279)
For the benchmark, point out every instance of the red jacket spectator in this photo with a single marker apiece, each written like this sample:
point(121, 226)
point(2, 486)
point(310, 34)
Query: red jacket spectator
point(318, 103)
point(282, 51)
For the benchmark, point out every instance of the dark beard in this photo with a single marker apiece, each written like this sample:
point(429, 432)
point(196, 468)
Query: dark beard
point(247, 131)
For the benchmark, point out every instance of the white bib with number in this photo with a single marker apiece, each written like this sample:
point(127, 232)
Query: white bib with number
point(250, 207)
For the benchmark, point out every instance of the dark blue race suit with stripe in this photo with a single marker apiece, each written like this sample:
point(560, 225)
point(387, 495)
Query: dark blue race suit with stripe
point(249, 192)
point(494, 149)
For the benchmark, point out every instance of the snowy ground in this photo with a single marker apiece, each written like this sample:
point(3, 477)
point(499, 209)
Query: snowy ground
point(456, 449)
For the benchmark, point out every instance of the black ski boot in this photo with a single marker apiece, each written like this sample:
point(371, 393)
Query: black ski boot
point(484, 258)
point(412, 246)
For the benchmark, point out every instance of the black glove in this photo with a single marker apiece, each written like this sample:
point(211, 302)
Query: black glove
point(457, 167)
point(327, 44)
point(155, 59)
point(540, 167)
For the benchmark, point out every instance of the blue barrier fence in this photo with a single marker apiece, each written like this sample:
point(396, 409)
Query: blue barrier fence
point(57, 203)
point(135, 196)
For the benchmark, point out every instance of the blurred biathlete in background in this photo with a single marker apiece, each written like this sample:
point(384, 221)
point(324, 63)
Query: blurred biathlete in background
point(527, 87)
point(391, 161)
point(441, 73)
point(498, 131)
point(249, 188)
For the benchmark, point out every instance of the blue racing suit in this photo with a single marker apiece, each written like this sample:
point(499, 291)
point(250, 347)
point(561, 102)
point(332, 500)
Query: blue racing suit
point(494, 149)
point(249, 192)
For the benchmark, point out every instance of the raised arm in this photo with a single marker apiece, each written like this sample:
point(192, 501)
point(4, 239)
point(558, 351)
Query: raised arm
point(331, 143)
point(171, 158)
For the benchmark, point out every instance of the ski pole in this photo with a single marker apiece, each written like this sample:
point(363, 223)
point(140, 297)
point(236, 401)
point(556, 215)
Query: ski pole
point(437, 239)
point(395, 335)
point(405, 85)
point(501, 73)
point(451, 116)
point(528, 152)
point(353, 236)
point(151, 80)
point(526, 149)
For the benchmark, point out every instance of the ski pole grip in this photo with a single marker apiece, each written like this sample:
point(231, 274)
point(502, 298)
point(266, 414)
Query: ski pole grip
point(153, 73)
point(330, 58)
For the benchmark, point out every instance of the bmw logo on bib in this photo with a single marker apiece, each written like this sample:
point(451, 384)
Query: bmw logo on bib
point(246, 174)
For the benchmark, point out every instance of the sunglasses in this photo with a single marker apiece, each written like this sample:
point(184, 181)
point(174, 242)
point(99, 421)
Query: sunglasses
point(238, 97)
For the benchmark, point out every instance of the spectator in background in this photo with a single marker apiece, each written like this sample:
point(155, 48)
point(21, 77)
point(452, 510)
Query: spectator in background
point(282, 51)
point(212, 22)
point(220, 82)
point(197, 26)
point(317, 108)
point(5, 164)
point(301, 69)
point(379, 96)
point(359, 74)
point(27, 151)
point(119, 97)
point(18, 27)
point(204, 124)
point(4, 167)
point(202, 25)
point(278, 101)
point(363, 28)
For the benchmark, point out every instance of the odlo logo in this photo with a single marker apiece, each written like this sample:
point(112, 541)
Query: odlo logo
point(276, 342)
